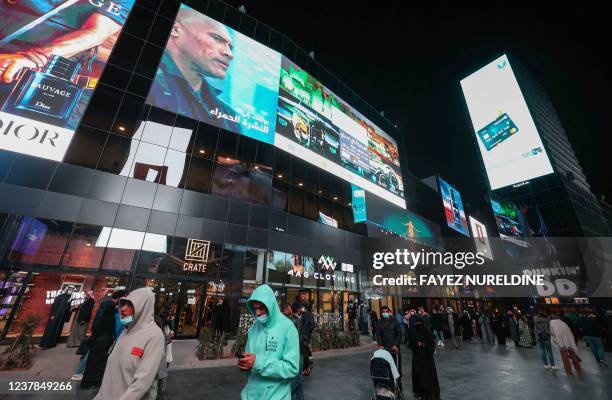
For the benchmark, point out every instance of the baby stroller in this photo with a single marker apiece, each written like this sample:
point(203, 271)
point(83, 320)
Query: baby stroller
point(385, 376)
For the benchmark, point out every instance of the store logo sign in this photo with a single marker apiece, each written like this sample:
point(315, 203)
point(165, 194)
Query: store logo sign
point(196, 251)
point(327, 263)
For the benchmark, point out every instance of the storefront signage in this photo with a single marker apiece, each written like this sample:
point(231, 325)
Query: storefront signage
point(78, 296)
point(196, 252)
point(327, 263)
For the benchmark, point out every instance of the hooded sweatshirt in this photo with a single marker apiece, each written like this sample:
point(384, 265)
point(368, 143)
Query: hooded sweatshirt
point(562, 335)
point(275, 344)
point(132, 366)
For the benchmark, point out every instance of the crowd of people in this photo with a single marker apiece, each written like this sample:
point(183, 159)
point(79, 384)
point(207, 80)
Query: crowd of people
point(424, 332)
point(129, 350)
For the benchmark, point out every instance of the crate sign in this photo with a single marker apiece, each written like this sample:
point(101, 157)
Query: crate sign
point(196, 255)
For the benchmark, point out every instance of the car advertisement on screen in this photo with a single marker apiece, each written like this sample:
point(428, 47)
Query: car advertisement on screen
point(510, 221)
point(510, 145)
point(481, 239)
point(52, 54)
point(214, 74)
point(453, 208)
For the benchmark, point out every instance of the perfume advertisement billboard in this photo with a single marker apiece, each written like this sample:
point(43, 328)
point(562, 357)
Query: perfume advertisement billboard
point(52, 54)
point(211, 73)
point(453, 208)
point(509, 142)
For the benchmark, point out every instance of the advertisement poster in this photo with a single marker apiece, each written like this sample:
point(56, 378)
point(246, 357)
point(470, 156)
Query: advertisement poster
point(358, 204)
point(510, 145)
point(327, 220)
point(453, 208)
point(211, 73)
point(481, 239)
point(52, 54)
point(510, 221)
point(214, 74)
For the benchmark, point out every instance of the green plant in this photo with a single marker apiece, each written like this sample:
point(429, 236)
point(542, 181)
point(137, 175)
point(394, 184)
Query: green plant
point(19, 355)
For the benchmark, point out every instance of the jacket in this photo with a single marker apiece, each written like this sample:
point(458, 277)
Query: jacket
point(276, 346)
point(541, 328)
point(132, 366)
point(562, 335)
point(388, 332)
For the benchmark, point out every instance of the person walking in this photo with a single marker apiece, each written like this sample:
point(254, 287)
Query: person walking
point(83, 318)
point(563, 337)
point(389, 337)
point(524, 333)
point(541, 326)
point(498, 324)
point(162, 320)
point(272, 352)
point(485, 327)
point(103, 334)
point(425, 385)
point(437, 325)
point(136, 356)
point(514, 329)
point(374, 323)
point(454, 327)
point(308, 325)
point(466, 325)
point(592, 333)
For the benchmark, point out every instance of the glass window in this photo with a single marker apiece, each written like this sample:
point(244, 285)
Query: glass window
point(82, 251)
point(254, 263)
point(31, 171)
point(116, 153)
point(205, 142)
point(122, 246)
point(296, 201)
point(277, 266)
point(231, 178)
point(183, 263)
point(147, 163)
point(183, 133)
point(232, 263)
point(86, 147)
point(129, 115)
point(280, 191)
point(227, 145)
point(199, 175)
point(37, 241)
point(311, 206)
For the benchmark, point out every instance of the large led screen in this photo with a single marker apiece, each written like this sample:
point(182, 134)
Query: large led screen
point(507, 137)
point(214, 74)
point(510, 221)
point(481, 239)
point(52, 54)
point(453, 208)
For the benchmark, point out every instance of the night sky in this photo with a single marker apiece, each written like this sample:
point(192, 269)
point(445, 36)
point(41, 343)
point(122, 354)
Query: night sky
point(407, 58)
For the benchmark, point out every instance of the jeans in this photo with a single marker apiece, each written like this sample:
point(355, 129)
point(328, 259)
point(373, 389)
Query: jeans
point(439, 335)
point(297, 389)
point(82, 365)
point(547, 355)
point(596, 346)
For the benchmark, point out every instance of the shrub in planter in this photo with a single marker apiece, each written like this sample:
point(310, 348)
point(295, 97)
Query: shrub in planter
point(19, 355)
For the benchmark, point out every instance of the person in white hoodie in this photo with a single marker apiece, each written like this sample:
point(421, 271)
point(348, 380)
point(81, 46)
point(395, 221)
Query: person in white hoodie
point(563, 337)
point(132, 366)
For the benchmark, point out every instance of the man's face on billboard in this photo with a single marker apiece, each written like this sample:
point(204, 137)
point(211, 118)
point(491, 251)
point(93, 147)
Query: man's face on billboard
point(207, 43)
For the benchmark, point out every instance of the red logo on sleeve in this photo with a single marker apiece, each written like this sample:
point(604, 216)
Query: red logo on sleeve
point(137, 351)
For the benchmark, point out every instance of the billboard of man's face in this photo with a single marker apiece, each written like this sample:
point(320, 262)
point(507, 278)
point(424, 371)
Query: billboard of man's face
point(206, 41)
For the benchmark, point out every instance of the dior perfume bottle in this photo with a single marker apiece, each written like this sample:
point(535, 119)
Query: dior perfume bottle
point(47, 96)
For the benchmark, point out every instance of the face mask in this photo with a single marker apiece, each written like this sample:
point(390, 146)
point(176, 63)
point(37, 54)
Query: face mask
point(386, 315)
point(127, 320)
point(263, 318)
point(303, 309)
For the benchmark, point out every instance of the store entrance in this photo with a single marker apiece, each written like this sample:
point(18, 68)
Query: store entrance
point(185, 301)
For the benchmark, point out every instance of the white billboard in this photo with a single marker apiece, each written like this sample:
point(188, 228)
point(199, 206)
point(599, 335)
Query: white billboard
point(479, 233)
point(510, 145)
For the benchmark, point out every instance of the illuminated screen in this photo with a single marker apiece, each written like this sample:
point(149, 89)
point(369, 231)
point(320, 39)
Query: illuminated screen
point(510, 221)
point(327, 220)
point(507, 137)
point(214, 74)
point(53, 54)
point(481, 239)
point(453, 208)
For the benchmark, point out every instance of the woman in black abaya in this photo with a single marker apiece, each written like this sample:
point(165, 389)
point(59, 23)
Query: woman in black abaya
point(424, 376)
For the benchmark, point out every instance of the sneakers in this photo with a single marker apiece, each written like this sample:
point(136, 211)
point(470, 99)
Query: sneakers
point(555, 367)
point(603, 364)
point(547, 366)
point(76, 377)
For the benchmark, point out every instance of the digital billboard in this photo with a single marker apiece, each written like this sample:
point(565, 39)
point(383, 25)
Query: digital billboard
point(327, 220)
point(453, 208)
point(510, 145)
point(214, 74)
point(510, 221)
point(52, 54)
point(481, 239)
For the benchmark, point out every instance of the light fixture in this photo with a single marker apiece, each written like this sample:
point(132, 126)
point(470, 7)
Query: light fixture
point(88, 244)
point(202, 151)
point(335, 197)
point(280, 176)
point(300, 184)
point(350, 204)
point(257, 167)
point(228, 159)
point(121, 128)
point(320, 191)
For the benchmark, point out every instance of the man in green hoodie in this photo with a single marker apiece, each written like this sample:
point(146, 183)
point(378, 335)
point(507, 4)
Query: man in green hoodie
point(272, 352)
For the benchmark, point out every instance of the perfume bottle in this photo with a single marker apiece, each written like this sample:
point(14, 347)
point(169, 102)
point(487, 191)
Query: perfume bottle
point(47, 96)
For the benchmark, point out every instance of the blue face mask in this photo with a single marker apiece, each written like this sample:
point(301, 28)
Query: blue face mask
point(127, 320)
point(386, 315)
point(263, 318)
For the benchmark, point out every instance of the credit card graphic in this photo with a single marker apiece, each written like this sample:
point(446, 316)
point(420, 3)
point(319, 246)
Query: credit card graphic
point(497, 131)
